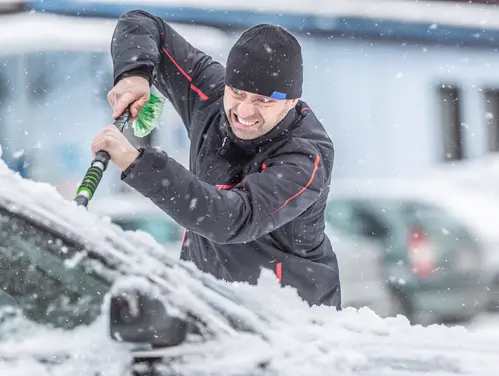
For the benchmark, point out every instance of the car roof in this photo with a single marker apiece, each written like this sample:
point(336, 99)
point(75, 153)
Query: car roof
point(479, 212)
point(430, 190)
point(382, 188)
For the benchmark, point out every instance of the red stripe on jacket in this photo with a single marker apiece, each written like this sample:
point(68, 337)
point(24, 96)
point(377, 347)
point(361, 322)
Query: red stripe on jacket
point(192, 86)
point(278, 271)
point(316, 167)
point(183, 239)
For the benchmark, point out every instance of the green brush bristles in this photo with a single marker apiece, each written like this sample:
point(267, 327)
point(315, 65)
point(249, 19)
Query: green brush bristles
point(149, 114)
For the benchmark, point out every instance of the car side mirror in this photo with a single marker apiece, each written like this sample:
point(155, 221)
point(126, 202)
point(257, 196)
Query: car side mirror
point(138, 318)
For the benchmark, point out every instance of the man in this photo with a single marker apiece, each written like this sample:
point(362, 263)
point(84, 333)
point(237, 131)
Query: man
point(260, 161)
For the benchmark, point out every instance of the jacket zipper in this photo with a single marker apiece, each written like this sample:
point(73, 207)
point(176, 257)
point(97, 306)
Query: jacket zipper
point(223, 149)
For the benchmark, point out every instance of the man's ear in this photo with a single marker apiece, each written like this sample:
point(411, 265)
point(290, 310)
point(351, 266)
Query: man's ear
point(292, 103)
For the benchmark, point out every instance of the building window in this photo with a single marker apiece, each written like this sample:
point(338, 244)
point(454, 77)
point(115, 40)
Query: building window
point(450, 115)
point(491, 97)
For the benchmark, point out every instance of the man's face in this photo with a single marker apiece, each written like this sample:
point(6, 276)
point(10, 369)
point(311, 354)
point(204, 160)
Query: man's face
point(253, 115)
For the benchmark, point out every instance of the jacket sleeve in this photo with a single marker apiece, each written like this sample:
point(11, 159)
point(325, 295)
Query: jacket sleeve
point(262, 202)
point(147, 46)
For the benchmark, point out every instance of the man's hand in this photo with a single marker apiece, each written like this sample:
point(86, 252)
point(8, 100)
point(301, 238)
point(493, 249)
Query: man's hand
point(133, 91)
point(121, 151)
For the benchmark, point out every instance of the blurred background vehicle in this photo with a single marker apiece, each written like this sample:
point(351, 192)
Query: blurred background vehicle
point(363, 281)
point(475, 184)
point(431, 260)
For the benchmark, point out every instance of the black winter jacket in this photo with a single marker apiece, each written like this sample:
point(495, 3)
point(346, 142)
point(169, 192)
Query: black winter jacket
point(244, 204)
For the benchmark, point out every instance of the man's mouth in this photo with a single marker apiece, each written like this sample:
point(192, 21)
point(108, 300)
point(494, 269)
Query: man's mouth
point(241, 122)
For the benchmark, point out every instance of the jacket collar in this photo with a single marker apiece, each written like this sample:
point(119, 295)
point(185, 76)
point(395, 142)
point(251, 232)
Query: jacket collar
point(252, 146)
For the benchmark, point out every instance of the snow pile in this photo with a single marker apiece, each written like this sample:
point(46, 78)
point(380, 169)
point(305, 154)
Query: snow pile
point(264, 329)
point(30, 349)
point(293, 340)
point(300, 340)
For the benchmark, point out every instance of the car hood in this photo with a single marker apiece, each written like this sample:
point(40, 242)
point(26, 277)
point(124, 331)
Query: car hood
point(264, 329)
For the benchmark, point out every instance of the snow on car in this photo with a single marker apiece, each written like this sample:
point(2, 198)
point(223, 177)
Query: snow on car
point(62, 265)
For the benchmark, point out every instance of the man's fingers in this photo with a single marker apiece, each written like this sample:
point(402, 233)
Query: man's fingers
point(96, 147)
point(103, 141)
point(133, 92)
point(134, 109)
point(122, 103)
point(137, 106)
point(111, 140)
point(99, 145)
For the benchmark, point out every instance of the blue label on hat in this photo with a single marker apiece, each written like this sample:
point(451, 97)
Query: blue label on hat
point(278, 95)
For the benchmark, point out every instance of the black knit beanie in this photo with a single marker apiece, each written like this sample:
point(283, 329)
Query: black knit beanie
point(266, 60)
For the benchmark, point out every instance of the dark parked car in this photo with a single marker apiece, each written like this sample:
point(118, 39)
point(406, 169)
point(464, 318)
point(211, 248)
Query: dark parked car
point(432, 263)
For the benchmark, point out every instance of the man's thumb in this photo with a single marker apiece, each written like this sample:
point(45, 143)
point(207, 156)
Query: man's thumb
point(137, 106)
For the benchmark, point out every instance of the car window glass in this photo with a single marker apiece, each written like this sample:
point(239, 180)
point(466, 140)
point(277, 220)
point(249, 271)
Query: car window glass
point(340, 215)
point(435, 221)
point(439, 239)
point(371, 225)
point(47, 288)
point(353, 217)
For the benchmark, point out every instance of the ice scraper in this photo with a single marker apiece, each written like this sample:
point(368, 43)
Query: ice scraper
point(147, 121)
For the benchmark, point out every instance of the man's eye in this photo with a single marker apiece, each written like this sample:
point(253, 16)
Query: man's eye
point(236, 91)
point(264, 100)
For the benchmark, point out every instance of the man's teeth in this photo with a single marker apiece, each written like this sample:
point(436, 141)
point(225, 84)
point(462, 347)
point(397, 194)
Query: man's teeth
point(247, 123)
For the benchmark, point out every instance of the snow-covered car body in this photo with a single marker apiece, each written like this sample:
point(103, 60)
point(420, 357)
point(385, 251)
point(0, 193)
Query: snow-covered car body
point(240, 329)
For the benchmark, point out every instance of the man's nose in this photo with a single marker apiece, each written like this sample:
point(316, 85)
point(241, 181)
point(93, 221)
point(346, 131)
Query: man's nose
point(246, 108)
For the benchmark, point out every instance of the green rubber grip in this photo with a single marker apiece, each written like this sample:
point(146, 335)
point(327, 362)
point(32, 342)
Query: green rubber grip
point(90, 181)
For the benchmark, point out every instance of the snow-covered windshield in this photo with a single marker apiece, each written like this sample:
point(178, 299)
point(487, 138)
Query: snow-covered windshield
point(37, 272)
